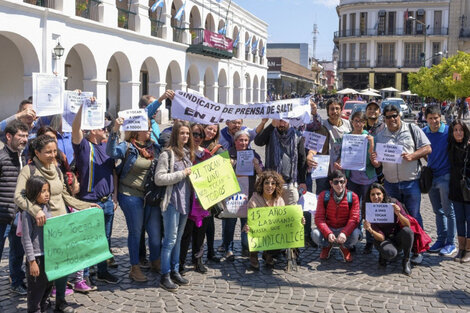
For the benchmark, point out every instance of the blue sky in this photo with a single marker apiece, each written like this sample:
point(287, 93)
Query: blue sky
point(292, 21)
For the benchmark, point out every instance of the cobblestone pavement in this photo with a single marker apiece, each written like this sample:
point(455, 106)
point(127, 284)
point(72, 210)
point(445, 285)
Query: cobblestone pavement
point(438, 285)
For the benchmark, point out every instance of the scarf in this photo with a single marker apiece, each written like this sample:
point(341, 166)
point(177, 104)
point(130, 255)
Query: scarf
point(146, 150)
point(339, 198)
point(50, 173)
point(282, 155)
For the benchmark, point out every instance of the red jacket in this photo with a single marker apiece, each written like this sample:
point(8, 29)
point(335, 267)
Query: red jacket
point(337, 215)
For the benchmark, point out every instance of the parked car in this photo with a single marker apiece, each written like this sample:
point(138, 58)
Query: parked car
point(349, 106)
point(399, 103)
point(359, 107)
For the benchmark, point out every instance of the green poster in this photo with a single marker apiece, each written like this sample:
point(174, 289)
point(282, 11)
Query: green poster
point(74, 241)
point(214, 180)
point(274, 228)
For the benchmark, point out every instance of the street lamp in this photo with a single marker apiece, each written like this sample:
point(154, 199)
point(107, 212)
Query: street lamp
point(423, 54)
point(58, 51)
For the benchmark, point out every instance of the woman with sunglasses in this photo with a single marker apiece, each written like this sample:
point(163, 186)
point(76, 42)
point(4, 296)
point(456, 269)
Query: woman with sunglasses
point(198, 218)
point(389, 238)
point(136, 154)
point(247, 183)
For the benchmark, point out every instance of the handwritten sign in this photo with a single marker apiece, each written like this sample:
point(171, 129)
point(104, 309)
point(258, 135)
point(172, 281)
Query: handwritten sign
point(237, 204)
point(308, 201)
point(379, 213)
point(72, 102)
point(354, 152)
point(73, 242)
point(321, 170)
point(134, 120)
point(274, 228)
point(314, 141)
point(389, 153)
point(214, 180)
point(245, 164)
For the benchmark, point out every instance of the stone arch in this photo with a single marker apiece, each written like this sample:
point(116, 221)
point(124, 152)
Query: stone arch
point(255, 89)
point(195, 19)
point(173, 76)
point(80, 68)
point(19, 60)
point(149, 77)
point(209, 23)
point(209, 84)
point(177, 24)
point(236, 46)
point(247, 47)
point(193, 80)
point(247, 88)
point(119, 80)
point(236, 88)
point(262, 88)
point(221, 25)
point(223, 87)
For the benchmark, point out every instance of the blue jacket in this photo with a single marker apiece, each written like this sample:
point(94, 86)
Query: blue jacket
point(151, 110)
point(119, 151)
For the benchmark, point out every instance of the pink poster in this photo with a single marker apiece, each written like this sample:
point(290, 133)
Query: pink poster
point(217, 41)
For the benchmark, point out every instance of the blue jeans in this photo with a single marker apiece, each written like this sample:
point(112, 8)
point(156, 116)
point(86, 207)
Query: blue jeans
point(443, 208)
point(322, 241)
point(15, 258)
point(136, 216)
point(174, 223)
point(229, 232)
point(462, 216)
point(408, 193)
point(108, 211)
point(361, 191)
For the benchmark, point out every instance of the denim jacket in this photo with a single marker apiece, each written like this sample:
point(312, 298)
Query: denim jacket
point(118, 151)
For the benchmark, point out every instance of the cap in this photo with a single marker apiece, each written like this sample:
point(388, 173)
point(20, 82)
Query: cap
point(371, 103)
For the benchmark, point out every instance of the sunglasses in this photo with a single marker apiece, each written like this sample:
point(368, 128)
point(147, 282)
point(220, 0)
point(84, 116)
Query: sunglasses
point(197, 135)
point(394, 116)
point(337, 182)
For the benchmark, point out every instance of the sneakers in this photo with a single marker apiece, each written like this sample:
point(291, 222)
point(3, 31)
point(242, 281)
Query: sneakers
point(229, 256)
point(436, 247)
point(107, 277)
point(21, 290)
point(68, 291)
point(245, 253)
point(112, 263)
point(448, 250)
point(221, 249)
point(325, 252)
point(81, 286)
point(346, 253)
point(90, 283)
point(416, 259)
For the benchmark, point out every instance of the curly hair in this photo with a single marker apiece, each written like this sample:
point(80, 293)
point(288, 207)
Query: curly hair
point(263, 177)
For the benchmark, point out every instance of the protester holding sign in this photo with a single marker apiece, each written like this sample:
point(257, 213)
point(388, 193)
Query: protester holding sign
point(137, 153)
point(234, 126)
point(173, 169)
point(268, 193)
point(237, 204)
point(43, 151)
point(389, 238)
point(61, 159)
point(198, 218)
point(336, 218)
point(39, 287)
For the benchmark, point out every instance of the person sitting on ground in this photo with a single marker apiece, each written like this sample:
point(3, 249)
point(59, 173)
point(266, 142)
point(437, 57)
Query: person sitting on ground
point(390, 238)
point(337, 217)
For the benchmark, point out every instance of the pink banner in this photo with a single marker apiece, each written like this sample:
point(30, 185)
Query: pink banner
point(217, 41)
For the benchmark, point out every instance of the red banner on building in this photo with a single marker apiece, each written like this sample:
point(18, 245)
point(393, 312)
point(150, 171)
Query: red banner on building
point(217, 41)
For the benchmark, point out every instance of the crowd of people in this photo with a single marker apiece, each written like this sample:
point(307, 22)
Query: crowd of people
point(45, 172)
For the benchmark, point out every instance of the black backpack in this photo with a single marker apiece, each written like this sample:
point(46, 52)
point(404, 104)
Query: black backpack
point(153, 194)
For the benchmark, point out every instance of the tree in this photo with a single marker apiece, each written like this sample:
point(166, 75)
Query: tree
point(439, 81)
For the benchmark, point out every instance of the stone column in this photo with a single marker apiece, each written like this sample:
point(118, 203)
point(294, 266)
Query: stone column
point(371, 79)
point(129, 95)
point(141, 19)
point(167, 30)
point(398, 80)
point(108, 13)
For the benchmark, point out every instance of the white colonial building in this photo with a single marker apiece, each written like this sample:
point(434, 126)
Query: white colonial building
point(381, 41)
point(121, 50)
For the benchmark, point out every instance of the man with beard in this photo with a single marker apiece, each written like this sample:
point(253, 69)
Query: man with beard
point(11, 162)
point(233, 126)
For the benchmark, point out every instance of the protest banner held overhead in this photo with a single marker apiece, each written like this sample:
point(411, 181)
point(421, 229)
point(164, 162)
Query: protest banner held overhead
point(274, 228)
point(92, 115)
point(134, 120)
point(214, 180)
point(48, 94)
point(72, 102)
point(196, 108)
point(73, 242)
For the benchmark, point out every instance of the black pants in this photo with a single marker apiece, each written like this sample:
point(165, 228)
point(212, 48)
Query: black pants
point(39, 288)
point(389, 248)
point(197, 234)
point(210, 235)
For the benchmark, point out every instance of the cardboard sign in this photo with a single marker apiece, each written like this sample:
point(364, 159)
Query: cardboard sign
point(379, 213)
point(134, 120)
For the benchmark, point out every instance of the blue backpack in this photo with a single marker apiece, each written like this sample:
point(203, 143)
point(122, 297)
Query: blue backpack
point(327, 198)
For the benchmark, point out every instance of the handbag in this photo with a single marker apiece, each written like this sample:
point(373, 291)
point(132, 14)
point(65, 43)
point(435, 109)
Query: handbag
point(425, 180)
point(465, 181)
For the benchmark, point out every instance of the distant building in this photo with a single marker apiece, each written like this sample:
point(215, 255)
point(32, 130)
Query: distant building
point(296, 52)
point(381, 41)
point(459, 26)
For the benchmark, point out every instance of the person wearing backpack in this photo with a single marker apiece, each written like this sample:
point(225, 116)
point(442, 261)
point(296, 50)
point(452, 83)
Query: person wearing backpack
point(137, 154)
point(336, 218)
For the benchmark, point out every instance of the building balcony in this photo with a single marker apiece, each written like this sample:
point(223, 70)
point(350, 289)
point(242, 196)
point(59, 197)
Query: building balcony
point(464, 33)
point(391, 32)
point(88, 9)
point(42, 3)
point(354, 64)
point(123, 17)
point(386, 63)
point(412, 63)
point(211, 44)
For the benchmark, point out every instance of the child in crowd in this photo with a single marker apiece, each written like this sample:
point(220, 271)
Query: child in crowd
point(77, 279)
point(39, 287)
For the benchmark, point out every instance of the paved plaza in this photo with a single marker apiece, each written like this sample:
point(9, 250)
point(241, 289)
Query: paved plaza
point(438, 285)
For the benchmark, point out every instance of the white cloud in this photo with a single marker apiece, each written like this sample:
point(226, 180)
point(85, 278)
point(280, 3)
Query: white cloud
point(327, 3)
